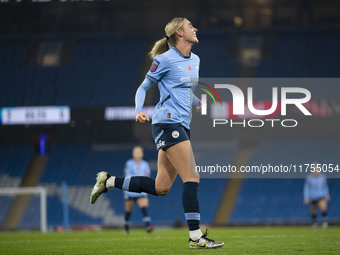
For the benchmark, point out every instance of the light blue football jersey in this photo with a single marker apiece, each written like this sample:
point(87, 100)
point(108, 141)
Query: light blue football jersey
point(315, 187)
point(177, 77)
point(132, 168)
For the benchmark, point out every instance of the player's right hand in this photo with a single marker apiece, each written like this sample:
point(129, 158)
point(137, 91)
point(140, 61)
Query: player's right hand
point(141, 117)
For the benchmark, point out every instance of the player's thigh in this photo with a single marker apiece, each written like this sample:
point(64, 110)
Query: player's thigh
point(322, 204)
point(166, 174)
point(128, 205)
point(143, 202)
point(182, 159)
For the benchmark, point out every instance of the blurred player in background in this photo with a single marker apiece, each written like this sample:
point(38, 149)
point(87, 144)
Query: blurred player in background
point(316, 194)
point(175, 69)
point(137, 167)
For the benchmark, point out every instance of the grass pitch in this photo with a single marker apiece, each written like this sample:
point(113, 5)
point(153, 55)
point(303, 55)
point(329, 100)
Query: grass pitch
point(256, 240)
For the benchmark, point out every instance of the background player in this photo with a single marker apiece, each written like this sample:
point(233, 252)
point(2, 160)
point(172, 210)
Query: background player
point(137, 167)
point(174, 67)
point(316, 193)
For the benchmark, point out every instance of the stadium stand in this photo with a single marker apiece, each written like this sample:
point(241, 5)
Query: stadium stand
point(296, 151)
point(216, 63)
point(277, 201)
point(103, 71)
point(14, 160)
point(302, 53)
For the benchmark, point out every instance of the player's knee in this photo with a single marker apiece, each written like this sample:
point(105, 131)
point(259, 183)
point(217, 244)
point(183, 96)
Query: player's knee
point(197, 180)
point(162, 191)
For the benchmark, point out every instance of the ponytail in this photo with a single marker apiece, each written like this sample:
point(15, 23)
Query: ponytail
point(160, 47)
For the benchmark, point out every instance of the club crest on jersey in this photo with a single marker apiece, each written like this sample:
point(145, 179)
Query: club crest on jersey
point(154, 65)
point(175, 134)
point(189, 68)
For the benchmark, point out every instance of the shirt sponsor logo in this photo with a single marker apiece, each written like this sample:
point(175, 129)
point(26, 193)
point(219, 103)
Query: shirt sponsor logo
point(160, 144)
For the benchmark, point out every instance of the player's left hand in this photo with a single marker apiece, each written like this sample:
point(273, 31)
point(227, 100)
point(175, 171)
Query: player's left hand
point(199, 107)
point(141, 117)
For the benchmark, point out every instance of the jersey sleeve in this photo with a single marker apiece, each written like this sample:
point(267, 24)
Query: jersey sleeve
point(306, 190)
point(159, 67)
point(141, 93)
point(127, 169)
point(147, 169)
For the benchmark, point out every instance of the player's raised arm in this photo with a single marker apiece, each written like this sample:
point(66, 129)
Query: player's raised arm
point(159, 67)
point(141, 117)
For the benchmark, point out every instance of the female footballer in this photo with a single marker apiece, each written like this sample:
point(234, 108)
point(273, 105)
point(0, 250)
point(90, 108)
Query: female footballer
point(137, 167)
point(316, 193)
point(174, 67)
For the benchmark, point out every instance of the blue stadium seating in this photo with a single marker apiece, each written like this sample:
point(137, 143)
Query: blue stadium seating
point(14, 160)
point(280, 200)
point(278, 152)
point(103, 71)
point(214, 59)
point(305, 54)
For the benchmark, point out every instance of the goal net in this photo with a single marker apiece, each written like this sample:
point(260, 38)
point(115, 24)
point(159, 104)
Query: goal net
point(23, 208)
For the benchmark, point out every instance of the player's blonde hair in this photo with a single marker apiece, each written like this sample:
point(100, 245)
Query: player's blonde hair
point(165, 43)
